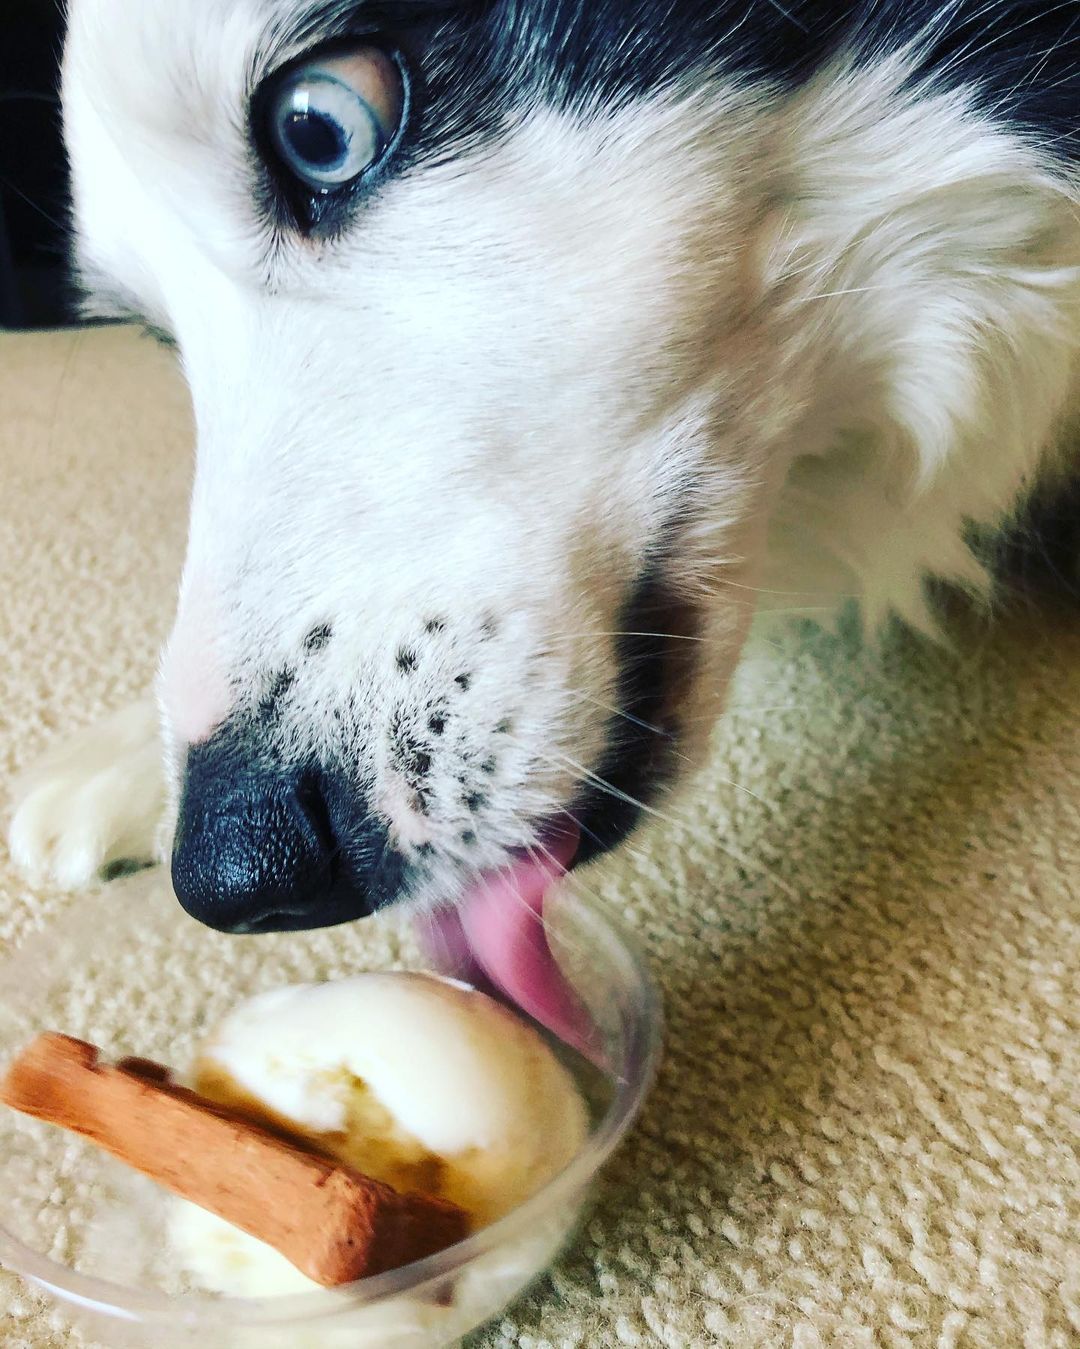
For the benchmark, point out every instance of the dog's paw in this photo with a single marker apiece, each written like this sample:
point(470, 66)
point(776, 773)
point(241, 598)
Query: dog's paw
point(95, 802)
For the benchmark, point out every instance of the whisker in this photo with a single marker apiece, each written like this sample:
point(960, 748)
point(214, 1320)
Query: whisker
point(557, 808)
point(622, 632)
point(738, 786)
point(603, 785)
point(793, 594)
point(34, 206)
point(851, 290)
point(800, 609)
point(735, 709)
point(554, 807)
point(791, 18)
point(631, 849)
point(750, 865)
point(626, 716)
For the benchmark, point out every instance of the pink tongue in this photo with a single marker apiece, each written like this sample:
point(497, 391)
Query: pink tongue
point(498, 928)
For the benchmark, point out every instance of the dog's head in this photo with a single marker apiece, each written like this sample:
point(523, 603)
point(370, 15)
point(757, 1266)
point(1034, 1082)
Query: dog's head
point(468, 298)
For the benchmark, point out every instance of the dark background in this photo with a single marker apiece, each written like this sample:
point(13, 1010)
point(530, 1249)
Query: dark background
point(33, 174)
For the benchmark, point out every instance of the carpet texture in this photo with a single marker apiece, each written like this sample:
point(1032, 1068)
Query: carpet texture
point(866, 924)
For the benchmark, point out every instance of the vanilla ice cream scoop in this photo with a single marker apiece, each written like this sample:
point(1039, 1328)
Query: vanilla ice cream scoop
point(415, 1080)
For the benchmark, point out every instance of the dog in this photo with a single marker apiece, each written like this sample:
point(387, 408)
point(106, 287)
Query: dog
point(536, 348)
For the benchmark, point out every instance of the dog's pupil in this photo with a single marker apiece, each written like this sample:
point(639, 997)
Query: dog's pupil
point(316, 139)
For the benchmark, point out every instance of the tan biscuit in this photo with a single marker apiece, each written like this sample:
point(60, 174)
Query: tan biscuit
point(332, 1222)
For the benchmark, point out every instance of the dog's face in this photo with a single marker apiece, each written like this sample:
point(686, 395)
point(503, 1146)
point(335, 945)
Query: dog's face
point(468, 317)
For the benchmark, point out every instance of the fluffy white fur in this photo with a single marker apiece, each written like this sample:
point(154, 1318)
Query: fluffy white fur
point(843, 327)
point(94, 801)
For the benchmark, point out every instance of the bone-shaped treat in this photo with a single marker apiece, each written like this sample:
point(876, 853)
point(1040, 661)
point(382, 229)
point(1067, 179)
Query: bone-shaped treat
point(334, 1223)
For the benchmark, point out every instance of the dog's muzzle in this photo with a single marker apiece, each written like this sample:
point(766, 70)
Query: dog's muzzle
point(258, 847)
point(268, 844)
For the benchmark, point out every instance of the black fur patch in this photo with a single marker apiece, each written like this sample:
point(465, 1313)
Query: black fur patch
point(318, 638)
point(1020, 57)
point(280, 684)
point(1040, 549)
point(638, 760)
point(471, 65)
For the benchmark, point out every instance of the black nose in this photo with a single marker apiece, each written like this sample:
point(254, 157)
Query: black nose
point(256, 846)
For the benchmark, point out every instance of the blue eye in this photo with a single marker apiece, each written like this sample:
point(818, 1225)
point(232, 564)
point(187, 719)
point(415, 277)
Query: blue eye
point(331, 121)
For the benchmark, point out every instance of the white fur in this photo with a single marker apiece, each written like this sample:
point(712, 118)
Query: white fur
point(844, 327)
point(94, 801)
point(941, 324)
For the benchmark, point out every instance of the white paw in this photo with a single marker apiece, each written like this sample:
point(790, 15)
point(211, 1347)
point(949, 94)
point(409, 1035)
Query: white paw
point(94, 801)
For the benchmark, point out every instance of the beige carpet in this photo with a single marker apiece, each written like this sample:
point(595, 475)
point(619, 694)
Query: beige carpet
point(867, 1130)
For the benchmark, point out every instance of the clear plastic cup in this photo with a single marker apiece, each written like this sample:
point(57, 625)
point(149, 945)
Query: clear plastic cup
point(126, 969)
